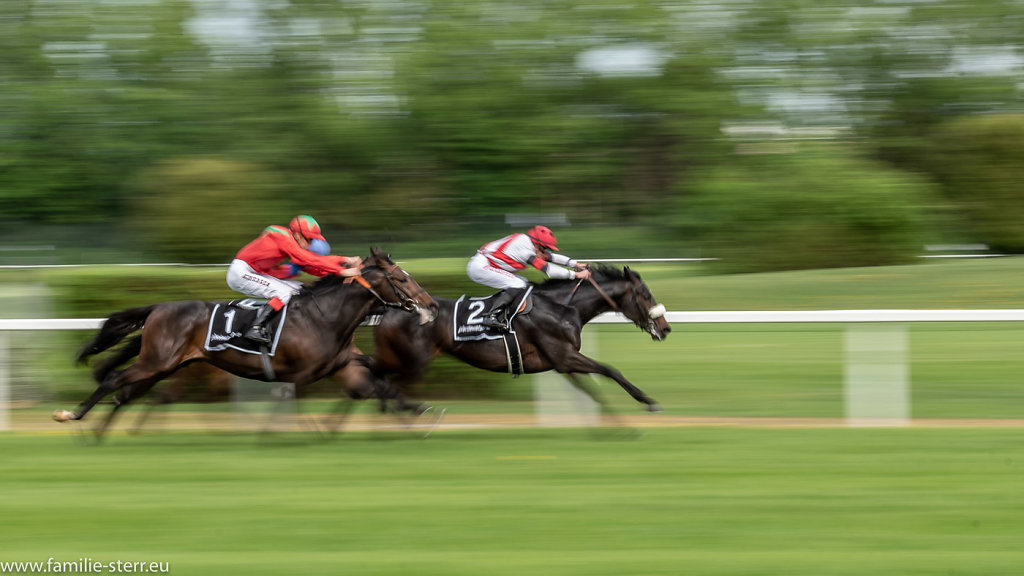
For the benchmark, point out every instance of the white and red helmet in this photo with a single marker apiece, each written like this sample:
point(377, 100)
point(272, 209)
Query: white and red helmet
point(543, 236)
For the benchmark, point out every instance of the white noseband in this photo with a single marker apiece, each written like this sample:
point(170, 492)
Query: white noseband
point(657, 311)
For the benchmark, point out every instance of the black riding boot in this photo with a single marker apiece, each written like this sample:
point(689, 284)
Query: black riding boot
point(258, 332)
point(496, 317)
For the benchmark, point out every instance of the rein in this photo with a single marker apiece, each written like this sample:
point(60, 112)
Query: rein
point(362, 282)
point(602, 293)
point(408, 302)
point(573, 293)
point(599, 291)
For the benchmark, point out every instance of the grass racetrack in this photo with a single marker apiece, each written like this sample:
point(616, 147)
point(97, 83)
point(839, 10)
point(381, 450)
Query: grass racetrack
point(753, 475)
point(682, 500)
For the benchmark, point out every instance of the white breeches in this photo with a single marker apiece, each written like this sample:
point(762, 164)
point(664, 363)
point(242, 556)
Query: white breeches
point(242, 278)
point(481, 271)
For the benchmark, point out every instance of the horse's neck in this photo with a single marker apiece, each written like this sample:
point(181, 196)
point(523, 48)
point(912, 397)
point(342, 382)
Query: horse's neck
point(344, 312)
point(589, 302)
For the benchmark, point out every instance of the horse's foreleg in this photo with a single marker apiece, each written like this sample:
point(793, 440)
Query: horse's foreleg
point(337, 417)
point(582, 364)
point(284, 396)
point(616, 421)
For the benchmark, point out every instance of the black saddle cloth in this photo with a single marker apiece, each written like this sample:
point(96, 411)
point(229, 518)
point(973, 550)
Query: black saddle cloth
point(470, 313)
point(229, 321)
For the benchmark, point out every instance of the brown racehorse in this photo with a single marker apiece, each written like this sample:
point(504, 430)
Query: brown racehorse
point(315, 340)
point(549, 335)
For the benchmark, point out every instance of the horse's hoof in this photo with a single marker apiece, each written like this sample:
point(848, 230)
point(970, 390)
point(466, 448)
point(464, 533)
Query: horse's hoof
point(437, 415)
point(63, 415)
point(654, 407)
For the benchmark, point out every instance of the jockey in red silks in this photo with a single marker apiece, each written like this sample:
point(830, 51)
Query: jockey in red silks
point(497, 264)
point(264, 267)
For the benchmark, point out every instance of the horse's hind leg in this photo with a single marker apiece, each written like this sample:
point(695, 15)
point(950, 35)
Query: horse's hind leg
point(122, 398)
point(105, 387)
point(138, 378)
point(167, 396)
point(140, 423)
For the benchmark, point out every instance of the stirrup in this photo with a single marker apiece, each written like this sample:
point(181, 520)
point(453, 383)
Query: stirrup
point(495, 321)
point(258, 334)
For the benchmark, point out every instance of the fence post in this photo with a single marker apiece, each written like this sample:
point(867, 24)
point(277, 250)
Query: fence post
point(557, 402)
point(876, 375)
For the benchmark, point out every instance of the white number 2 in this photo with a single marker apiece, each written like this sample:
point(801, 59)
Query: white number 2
point(476, 308)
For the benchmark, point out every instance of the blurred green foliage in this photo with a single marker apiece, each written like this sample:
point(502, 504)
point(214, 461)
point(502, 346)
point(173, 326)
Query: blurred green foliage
point(179, 129)
point(980, 161)
point(855, 211)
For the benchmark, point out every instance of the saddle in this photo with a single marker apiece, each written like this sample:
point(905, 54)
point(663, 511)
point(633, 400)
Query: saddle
point(470, 312)
point(229, 321)
point(468, 324)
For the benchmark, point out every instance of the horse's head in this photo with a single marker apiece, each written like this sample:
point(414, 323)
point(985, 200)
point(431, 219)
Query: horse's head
point(638, 304)
point(395, 286)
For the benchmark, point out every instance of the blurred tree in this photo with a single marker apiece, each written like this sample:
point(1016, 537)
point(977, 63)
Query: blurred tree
point(821, 208)
point(394, 120)
point(203, 209)
point(980, 161)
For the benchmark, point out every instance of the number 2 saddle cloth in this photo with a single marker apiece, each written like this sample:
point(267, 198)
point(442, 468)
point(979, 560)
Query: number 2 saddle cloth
point(470, 313)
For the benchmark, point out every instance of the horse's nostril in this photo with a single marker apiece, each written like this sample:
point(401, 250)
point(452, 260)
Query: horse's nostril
point(668, 329)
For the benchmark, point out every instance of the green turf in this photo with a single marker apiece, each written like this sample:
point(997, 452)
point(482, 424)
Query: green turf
point(955, 370)
point(699, 501)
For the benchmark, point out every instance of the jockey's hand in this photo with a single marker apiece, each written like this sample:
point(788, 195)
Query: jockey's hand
point(341, 262)
point(582, 274)
point(353, 262)
point(349, 272)
point(582, 266)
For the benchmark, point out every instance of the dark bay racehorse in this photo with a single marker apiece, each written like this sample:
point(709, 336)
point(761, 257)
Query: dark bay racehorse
point(315, 340)
point(549, 335)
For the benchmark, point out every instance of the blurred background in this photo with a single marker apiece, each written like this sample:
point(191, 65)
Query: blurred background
point(767, 136)
point(773, 135)
point(814, 150)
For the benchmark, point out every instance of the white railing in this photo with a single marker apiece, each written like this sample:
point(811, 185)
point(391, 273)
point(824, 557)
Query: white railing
point(711, 317)
point(876, 374)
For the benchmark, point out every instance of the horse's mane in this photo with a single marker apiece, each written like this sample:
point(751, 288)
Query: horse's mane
point(599, 272)
point(333, 281)
point(323, 284)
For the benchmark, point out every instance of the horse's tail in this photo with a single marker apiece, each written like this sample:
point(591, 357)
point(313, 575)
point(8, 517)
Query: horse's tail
point(115, 329)
point(124, 354)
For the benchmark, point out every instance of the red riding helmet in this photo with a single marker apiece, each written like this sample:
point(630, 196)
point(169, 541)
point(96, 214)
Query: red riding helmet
point(542, 236)
point(307, 227)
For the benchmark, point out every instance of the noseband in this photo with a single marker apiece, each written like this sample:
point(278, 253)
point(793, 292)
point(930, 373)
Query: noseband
point(655, 312)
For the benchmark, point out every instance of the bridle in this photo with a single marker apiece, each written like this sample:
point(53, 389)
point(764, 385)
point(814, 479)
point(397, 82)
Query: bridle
point(407, 300)
point(652, 313)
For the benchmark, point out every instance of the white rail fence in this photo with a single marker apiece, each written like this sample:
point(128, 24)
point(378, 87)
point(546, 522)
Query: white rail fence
point(876, 378)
